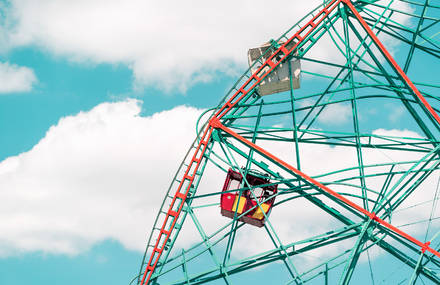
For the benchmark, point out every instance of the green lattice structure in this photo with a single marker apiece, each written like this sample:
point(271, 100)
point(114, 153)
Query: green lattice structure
point(355, 202)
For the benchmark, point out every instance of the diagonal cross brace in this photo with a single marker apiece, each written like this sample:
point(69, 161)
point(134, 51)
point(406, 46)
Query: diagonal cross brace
point(283, 52)
point(326, 190)
point(424, 104)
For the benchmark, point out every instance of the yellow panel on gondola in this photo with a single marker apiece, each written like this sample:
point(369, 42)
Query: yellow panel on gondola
point(241, 204)
point(258, 213)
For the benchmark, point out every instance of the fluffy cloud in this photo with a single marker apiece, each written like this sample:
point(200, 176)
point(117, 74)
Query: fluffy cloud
point(14, 78)
point(174, 43)
point(335, 114)
point(102, 174)
point(97, 175)
point(298, 219)
point(171, 44)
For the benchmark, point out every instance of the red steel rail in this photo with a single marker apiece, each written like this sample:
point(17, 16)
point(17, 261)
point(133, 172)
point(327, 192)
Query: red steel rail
point(181, 194)
point(176, 205)
point(282, 52)
point(424, 246)
point(285, 50)
point(391, 60)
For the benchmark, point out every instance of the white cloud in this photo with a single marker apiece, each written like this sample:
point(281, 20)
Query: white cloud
point(335, 114)
point(396, 113)
point(97, 175)
point(102, 174)
point(14, 78)
point(299, 219)
point(173, 43)
point(168, 44)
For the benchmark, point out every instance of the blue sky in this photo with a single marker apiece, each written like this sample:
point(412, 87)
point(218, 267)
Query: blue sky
point(59, 83)
point(65, 88)
point(93, 91)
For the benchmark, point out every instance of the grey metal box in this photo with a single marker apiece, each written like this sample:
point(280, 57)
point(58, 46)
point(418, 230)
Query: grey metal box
point(278, 80)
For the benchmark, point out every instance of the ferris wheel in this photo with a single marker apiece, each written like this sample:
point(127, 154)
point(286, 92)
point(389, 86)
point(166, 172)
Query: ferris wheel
point(320, 164)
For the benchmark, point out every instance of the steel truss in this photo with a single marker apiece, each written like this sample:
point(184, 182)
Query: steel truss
point(244, 123)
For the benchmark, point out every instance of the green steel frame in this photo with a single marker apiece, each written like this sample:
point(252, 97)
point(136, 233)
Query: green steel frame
point(362, 211)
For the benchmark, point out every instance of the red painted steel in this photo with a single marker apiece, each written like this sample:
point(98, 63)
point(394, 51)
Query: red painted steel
point(253, 81)
point(423, 246)
point(394, 64)
point(308, 28)
point(227, 199)
point(188, 178)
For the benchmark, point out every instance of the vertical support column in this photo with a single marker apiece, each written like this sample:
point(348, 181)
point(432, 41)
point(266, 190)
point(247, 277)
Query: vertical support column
point(295, 129)
point(354, 109)
point(426, 106)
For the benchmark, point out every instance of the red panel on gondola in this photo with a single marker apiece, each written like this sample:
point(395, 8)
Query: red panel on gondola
point(233, 203)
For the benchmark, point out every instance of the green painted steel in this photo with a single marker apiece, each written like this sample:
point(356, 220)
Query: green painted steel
point(297, 125)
